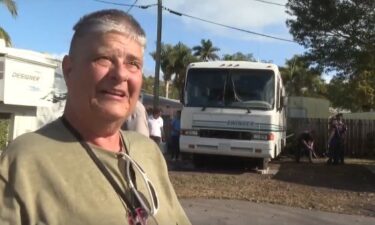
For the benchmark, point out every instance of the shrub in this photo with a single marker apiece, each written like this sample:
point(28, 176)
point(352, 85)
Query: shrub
point(4, 128)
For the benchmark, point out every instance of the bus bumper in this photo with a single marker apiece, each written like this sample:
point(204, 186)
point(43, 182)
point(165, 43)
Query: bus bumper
point(214, 146)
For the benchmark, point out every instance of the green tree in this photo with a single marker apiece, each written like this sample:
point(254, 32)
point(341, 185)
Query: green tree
point(340, 94)
point(206, 51)
point(363, 88)
point(173, 62)
point(239, 56)
point(300, 79)
point(181, 57)
point(339, 34)
point(148, 84)
point(12, 8)
point(4, 127)
point(165, 64)
point(148, 87)
point(355, 94)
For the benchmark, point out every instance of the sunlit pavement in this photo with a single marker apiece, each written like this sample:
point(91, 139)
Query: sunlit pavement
point(235, 212)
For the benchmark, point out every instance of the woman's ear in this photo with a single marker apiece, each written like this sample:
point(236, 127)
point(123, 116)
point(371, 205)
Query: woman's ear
point(66, 67)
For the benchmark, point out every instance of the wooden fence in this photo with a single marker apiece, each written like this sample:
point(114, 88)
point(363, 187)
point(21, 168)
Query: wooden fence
point(360, 136)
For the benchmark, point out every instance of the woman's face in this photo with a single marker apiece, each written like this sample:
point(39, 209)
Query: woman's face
point(104, 75)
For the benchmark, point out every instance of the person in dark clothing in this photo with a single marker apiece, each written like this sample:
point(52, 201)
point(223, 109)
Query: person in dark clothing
point(336, 140)
point(305, 146)
point(175, 136)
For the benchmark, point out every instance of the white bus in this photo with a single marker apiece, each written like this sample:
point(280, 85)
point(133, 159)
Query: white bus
point(233, 108)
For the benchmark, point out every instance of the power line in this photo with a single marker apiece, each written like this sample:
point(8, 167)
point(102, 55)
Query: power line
point(130, 5)
point(130, 8)
point(227, 26)
point(271, 3)
point(200, 19)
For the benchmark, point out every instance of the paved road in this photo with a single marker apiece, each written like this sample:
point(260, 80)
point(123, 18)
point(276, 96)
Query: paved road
point(234, 212)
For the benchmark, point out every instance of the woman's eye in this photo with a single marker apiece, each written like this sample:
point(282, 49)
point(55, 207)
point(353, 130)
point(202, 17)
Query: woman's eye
point(103, 61)
point(133, 65)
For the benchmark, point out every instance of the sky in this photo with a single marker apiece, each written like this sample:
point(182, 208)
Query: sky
point(46, 26)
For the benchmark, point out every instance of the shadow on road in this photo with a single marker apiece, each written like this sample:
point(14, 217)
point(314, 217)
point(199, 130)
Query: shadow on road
point(351, 177)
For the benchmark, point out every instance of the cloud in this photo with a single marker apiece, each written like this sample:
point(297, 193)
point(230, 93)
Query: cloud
point(245, 14)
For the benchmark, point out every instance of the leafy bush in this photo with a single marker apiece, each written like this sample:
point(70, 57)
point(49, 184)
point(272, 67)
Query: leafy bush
point(4, 125)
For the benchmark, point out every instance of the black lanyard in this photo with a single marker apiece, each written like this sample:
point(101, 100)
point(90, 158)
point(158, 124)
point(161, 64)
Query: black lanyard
point(99, 164)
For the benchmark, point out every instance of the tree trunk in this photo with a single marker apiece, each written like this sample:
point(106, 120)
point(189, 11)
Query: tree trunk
point(167, 88)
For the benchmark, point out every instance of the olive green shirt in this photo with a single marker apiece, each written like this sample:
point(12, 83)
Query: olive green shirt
point(47, 177)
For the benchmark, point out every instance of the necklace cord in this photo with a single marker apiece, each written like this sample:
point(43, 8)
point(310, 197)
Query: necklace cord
point(100, 165)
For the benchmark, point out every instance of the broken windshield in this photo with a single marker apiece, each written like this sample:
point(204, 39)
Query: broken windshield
point(230, 88)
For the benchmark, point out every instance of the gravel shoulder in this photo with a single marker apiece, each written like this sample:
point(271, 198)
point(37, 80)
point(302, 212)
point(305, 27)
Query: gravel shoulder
point(347, 189)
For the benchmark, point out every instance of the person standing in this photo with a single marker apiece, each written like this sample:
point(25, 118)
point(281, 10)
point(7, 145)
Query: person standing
point(155, 124)
point(81, 168)
point(336, 140)
point(138, 121)
point(342, 129)
point(175, 136)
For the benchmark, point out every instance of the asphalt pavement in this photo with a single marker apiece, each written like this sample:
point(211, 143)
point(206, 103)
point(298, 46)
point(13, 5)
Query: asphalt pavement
point(236, 212)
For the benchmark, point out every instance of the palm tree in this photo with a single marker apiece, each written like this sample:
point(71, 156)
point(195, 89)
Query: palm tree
point(302, 80)
point(165, 65)
point(181, 57)
point(239, 56)
point(206, 51)
point(174, 61)
point(12, 7)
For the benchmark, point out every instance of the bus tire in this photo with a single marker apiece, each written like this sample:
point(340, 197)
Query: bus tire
point(262, 163)
point(275, 155)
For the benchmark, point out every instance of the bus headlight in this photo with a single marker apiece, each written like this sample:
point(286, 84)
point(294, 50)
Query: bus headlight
point(189, 132)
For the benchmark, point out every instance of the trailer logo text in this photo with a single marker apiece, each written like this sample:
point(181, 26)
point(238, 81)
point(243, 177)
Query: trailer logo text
point(25, 76)
point(239, 123)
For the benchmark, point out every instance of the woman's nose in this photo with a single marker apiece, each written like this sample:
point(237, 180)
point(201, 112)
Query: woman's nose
point(120, 73)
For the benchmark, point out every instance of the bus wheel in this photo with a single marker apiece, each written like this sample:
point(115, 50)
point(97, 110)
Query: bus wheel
point(262, 163)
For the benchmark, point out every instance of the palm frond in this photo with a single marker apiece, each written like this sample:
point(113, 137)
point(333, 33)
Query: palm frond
point(11, 5)
point(4, 35)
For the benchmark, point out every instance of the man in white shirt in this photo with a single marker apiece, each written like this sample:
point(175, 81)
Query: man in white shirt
point(155, 124)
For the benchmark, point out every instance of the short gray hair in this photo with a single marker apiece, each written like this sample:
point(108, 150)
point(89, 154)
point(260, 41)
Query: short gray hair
point(109, 20)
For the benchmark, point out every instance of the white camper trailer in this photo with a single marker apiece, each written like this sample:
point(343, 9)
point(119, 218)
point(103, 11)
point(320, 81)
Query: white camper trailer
point(233, 108)
point(26, 82)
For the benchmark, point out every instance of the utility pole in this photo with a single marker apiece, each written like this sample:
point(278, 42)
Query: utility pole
point(157, 56)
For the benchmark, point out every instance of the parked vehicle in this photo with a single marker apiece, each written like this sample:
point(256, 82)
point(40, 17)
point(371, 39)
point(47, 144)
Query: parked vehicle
point(233, 108)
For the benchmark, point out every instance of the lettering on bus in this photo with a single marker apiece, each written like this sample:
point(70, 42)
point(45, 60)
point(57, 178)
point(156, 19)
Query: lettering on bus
point(239, 123)
point(25, 76)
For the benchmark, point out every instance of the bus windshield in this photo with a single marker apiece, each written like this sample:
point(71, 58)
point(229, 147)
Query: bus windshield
point(230, 88)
